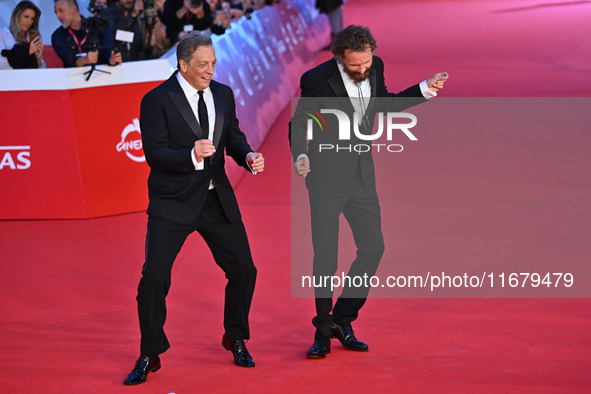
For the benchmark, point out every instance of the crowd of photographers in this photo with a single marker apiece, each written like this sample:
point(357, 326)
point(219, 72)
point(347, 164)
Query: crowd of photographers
point(115, 31)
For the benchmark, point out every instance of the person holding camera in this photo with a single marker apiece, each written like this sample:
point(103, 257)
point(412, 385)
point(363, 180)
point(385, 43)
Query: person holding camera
point(125, 28)
point(225, 14)
point(156, 42)
point(20, 43)
point(81, 41)
point(184, 16)
point(100, 3)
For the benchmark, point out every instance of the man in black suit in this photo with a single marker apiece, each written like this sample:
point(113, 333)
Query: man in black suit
point(187, 123)
point(342, 181)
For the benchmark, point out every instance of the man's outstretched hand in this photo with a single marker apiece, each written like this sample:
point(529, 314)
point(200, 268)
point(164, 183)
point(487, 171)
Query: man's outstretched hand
point(435, 83)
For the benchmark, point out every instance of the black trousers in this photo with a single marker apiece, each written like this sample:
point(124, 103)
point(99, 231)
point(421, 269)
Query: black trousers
point(362, 211)
point(229, 245)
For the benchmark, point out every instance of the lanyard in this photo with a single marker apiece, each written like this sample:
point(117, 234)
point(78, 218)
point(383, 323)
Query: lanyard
point(78, 43)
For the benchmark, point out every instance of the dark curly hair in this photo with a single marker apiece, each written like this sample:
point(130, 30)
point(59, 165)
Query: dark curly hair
point(355, 38)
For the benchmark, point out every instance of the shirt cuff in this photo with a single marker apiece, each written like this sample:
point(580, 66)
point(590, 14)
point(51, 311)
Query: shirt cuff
point(427, 93)
point(301, 156)
point(248, 165)
point(198, 166)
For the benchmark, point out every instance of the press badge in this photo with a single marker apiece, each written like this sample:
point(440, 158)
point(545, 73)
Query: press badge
point(124, 35)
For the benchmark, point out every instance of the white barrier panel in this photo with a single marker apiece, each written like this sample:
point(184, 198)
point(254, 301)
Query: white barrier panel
point(71, 148)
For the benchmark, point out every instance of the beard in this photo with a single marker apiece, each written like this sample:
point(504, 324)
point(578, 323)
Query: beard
point(356, 76)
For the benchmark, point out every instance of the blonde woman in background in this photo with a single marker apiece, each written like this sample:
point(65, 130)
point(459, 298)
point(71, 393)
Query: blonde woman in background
point(20, 43)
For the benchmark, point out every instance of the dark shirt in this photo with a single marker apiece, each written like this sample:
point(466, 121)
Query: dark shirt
point(68, 43)
point(174, 25)
point(118, 21)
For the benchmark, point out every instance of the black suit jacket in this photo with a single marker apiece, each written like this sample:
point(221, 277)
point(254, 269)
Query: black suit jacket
point(332, 171)
point(169, 130)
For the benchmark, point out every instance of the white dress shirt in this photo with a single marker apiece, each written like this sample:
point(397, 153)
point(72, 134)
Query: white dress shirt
point(6, 42)
point(193, 99)
point(353, 91)
point(360, 106)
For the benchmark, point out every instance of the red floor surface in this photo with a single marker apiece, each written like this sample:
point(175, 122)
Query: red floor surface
point(68, 288)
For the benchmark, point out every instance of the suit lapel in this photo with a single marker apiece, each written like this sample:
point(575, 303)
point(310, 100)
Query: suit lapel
point(219, 112)
point(180, 101)
point(373, 81)
point(338, 87)
point(374, 89)
point(335, 81)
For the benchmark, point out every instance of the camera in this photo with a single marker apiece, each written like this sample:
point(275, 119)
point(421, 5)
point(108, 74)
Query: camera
point(150, 13)
point(94, 9)
point(96, 24)
point(196, 3)
point(150, 6)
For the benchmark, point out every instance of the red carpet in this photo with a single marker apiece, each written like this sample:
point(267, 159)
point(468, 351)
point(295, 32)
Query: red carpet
point(69, 321)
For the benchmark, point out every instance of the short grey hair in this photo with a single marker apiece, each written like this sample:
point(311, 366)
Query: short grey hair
point(71, 2)
point(189, 44)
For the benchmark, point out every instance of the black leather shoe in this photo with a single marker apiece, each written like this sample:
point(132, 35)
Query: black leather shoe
point(319, 349)
point(143, 366)
point(241, 356)
point(347, 338)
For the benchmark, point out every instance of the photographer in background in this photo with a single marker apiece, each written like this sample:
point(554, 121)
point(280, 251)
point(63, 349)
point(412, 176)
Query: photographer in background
point(20, 43)
point(258, 4)
point(183, 16)
point(77, 42)
point(225, 14)
point(100, 3)
point(156, 42)
point(125, 28)
point(246, 6)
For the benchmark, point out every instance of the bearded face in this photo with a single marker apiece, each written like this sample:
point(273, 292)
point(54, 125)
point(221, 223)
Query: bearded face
point(357, 64)
point(357, 76)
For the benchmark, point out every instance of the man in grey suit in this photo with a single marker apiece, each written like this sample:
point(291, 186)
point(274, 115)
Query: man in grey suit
point(188, 122)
